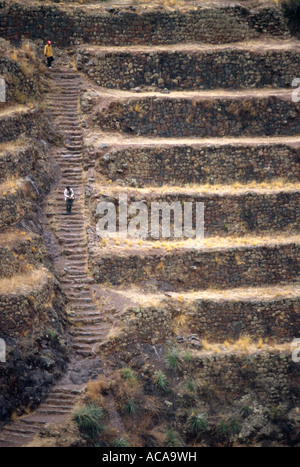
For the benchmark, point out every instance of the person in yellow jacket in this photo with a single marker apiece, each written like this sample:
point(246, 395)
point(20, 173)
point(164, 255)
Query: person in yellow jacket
point(48, 52)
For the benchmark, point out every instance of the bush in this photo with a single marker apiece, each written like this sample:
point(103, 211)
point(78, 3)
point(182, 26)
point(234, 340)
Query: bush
point(197, 422)
point(226, 429)
point(190, 385)
point(127, 373)
point(172, 360)
point(121, 443)
point(52, 334)
point(223, 428)
point(160, 380)
point(172, 439)
point(130, 407)
point(88, 419)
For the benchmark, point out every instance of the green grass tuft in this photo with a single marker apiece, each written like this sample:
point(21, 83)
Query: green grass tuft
point(88, 419)
point(197, 422)
point(160, 380)
point(172, 439)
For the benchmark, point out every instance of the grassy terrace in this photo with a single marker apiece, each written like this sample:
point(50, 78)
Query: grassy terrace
point(22, 283)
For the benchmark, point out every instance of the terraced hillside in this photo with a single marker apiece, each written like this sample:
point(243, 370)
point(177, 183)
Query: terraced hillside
point(176, 106)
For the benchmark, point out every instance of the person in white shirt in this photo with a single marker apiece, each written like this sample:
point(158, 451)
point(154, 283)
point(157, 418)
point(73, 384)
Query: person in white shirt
point(69, 197)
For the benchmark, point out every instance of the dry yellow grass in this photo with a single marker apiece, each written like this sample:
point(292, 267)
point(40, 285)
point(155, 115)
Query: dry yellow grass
point(22, 283)
point(11, 145)
point(216, 242)
point(245, 345)
point(11, 186)
point(166, 3)
point(12, 109)
point(12, 237)
point(94, 391)
point(210, 189)
point(266, 293)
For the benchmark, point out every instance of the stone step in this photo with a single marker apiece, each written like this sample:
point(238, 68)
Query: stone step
point(82, 300)
point(76, 307)
point(84, 352)
point(67, 390)
point(202, 114)
point(77, 290)
point(58, 397)
point(87, 332)
point(85, 348)
point(69, 105)
point(73, 296)
point(77, 341)
point(74, 244)
point(54, 411)
point(22, 429)
point(65, 403)
point(73, 170)
point(85, 321)
point(68, 237)
point(14, 440)
point(57, 408)
point(84, 312)
point(192, 66)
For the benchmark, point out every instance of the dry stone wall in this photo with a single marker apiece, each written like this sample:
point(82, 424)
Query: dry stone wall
point(233, 116)
point(22, 312)
point(27, 250)
point(211, 163)
point(15, 124)
point(15, 203)
point(201, 269)
point(190, 69)
point(17, 162)
point(229, 213)
point(122, 27)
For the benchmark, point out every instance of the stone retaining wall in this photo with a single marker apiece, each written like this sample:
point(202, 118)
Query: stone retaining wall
point(22, 312)
point(20, 87)
point(211, 163)
point(273, 376)
point(190, 69)
point(15, 124)
point(201, 269)
point(122, 27)
point(28, 250)
point(15, 203)
point(234, 116)
point(227, 213)
point(17, 162)
point(214, 320)
point(225, 319)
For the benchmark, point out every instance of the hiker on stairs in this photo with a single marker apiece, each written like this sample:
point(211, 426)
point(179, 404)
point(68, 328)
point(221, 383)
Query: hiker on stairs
point(48, 52)
point(69, 197)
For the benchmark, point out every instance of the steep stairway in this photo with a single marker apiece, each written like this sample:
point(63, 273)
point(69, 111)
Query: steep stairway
point(54, 411)
point(70, 231)
point(86, 327)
